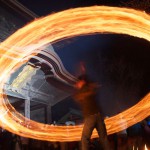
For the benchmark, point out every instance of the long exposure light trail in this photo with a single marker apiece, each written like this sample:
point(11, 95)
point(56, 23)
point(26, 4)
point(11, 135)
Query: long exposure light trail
point(58, 26)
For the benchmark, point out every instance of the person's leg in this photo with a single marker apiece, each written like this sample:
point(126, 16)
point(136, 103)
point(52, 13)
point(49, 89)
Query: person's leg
point(89, 125)
point(101, 129)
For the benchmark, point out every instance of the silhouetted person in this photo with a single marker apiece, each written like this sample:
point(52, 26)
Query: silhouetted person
point(6, 140)
point(146, 133)
point(86, 97)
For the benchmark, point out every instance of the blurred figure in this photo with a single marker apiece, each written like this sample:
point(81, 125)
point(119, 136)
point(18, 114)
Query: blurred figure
point(24, 143)
point(134, 136)
point(146, 133)
point(112, 138)
point(122, 135)
point(6, 140)
point(56, 146)
point(86, 97)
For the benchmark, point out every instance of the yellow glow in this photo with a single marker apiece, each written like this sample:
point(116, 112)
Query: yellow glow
point(66, 24)
point(146, 147)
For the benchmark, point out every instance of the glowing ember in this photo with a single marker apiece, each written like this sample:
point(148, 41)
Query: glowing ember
point(69, 23)
point(145, 147)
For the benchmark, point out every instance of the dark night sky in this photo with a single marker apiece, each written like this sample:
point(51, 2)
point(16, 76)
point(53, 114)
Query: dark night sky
point(45, 7)
point(120, 63)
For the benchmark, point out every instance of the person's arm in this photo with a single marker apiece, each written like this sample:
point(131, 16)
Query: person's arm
point(85, 91)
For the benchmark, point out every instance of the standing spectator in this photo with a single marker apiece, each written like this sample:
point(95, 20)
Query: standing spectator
point(6, 140)
point(24, 143)
point(146, 133)
point(122, 135)
point(134, 136)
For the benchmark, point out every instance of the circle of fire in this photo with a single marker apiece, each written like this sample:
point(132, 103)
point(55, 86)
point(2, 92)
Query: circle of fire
point(73, 22)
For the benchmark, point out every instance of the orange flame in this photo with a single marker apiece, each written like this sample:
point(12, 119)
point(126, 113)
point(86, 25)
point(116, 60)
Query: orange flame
point(73, 22)
point(146, 147)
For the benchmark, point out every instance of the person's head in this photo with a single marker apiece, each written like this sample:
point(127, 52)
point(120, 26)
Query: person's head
point(83, 77)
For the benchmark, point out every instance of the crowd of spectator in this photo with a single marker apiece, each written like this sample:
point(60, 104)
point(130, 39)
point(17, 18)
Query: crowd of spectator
point(134, 137)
